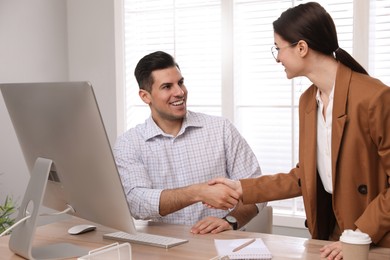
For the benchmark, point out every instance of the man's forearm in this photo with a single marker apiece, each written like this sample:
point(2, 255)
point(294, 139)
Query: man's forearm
point(172, 200)
point(244, 213)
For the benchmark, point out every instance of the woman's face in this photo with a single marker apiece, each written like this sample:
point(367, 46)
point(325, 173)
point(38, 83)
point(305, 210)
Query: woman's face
point(288, 55)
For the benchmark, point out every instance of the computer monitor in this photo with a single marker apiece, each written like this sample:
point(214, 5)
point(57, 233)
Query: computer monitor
point(66, 149)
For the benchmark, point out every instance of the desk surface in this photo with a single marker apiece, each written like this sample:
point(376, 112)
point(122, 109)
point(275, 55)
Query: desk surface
point(198, 247)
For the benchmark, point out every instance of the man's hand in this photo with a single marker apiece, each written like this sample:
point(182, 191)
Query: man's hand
point(235, 185)
point(332, 251)
point(211, 225)
point(230, 184)
point(219, 196)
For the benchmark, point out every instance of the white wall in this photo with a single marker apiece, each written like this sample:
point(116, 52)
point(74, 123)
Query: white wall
point(33, 47)
point(91, 49)
point(53, 40)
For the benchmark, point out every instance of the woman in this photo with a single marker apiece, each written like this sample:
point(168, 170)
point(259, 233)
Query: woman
point(344, 142)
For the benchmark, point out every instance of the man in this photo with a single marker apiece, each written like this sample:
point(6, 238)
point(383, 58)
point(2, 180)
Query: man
point(166, 162)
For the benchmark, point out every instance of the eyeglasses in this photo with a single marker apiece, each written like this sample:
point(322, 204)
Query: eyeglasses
point(275, 50)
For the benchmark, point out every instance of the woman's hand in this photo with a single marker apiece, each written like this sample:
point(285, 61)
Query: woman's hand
point(332, 251)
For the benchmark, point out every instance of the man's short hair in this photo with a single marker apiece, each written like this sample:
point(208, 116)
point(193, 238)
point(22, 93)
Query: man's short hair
point(154, 61)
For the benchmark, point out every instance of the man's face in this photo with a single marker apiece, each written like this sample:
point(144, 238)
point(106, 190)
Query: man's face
point(168, 96)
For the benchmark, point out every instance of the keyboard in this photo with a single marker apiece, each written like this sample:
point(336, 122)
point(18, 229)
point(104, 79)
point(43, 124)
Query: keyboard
point(146, 239)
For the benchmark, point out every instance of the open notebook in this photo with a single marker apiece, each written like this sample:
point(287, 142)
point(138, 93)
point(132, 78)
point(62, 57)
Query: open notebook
point(255, 250)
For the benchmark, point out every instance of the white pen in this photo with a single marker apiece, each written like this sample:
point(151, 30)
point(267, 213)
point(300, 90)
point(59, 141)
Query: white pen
point(244, 245)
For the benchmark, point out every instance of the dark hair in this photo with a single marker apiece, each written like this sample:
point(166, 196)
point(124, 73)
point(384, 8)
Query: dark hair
point(154, 61)
point(313, 24)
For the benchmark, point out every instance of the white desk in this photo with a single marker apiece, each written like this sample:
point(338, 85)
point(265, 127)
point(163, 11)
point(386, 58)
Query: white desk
point(198, 247)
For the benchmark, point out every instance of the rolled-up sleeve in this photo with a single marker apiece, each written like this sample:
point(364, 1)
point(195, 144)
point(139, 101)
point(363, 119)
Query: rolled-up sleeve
point(143, 200)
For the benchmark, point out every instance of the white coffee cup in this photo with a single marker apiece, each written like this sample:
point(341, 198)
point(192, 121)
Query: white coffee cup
point(355, 245)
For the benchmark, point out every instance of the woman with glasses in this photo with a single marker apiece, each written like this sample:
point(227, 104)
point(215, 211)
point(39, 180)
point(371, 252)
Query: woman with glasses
point(344, 135)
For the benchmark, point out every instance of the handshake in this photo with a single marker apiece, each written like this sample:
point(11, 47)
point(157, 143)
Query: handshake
point(221, 193)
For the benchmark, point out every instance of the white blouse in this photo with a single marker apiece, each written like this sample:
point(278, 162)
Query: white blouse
point(324, 141)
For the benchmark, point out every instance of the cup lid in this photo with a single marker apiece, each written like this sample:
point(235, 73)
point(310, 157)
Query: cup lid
point(355, 237)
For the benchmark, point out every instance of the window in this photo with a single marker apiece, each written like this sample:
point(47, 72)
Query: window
point(223, 49)
point(188, 29)
point(379, 35)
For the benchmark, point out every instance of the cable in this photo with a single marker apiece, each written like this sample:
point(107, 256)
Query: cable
point(69, 208)
point(14, 225)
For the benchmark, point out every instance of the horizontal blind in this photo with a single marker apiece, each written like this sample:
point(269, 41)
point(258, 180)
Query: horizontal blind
point(148, 27)
point(190, 30)
point(379, 65)
point(263, 96)
point(265, 101)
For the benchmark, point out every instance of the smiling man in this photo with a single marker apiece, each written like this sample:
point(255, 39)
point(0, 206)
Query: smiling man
point(166, 162)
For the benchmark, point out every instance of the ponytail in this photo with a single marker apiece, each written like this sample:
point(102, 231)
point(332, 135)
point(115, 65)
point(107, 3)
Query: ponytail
point(346, 59)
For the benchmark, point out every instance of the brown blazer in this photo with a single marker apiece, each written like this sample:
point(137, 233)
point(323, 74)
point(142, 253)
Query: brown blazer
point(360, 160)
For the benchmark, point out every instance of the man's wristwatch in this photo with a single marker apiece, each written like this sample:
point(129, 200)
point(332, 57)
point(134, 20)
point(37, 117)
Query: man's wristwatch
point(232, 221)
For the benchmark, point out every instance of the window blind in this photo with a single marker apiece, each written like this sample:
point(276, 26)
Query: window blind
point(265, 102)
point(190, 30)
point(379, 43)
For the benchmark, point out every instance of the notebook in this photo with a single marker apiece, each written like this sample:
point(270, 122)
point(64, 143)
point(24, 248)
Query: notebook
point(256, 250)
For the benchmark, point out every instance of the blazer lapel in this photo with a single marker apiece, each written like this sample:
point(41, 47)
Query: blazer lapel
point(340, 117)
point(310, 135)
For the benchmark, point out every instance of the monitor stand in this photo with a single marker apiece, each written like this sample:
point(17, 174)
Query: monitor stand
point(22, 236)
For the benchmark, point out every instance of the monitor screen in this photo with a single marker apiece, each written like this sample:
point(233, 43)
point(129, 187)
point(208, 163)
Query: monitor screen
point(61, 122)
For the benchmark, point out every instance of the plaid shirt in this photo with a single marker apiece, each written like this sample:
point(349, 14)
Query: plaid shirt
point(150, 161)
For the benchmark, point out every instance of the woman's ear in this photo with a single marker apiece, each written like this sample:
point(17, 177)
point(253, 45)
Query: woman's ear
point(145, 96)
point(303, 48)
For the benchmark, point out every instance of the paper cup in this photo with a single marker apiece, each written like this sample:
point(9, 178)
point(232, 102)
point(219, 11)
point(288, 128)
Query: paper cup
point(355, 245)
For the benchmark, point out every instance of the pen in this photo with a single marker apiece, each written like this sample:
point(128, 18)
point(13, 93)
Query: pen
point(244, 245)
